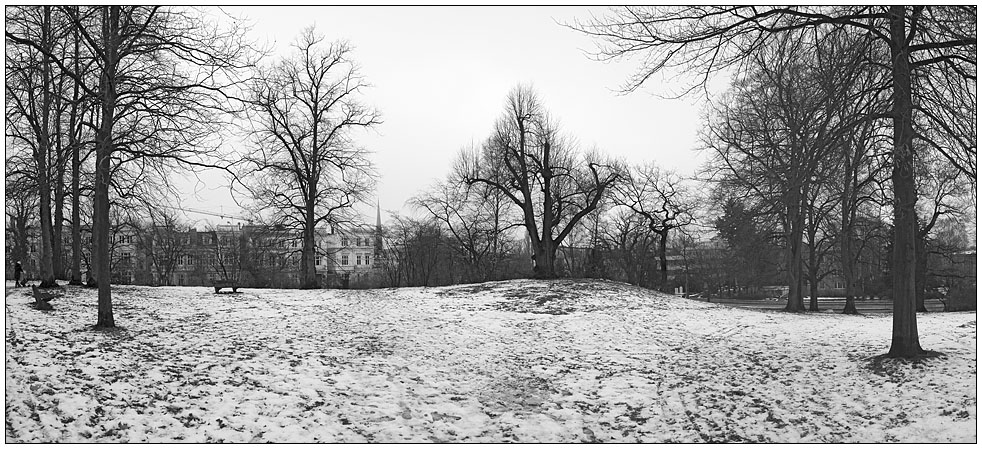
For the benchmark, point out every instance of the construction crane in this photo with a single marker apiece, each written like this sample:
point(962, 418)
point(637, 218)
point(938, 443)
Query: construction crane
point(219, 214)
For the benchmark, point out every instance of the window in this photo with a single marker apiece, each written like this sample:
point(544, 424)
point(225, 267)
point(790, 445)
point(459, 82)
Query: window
point(190, 261)
point(368, 260)
point(180, 279)
point(344, 241)
point(358, 259)
point(126, 259)
point(357, 241)
point(293, 243)
point(317, 261)
point(344, 259)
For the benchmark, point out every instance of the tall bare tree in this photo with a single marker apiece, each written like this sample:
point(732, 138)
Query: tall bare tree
point(30, 88)
point(529, 161)
point(307, 167)
point(773, 135)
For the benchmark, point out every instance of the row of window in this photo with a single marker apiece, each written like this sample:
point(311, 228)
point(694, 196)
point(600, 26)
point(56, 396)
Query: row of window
point(360, 259)
point(121, 239)
point(358, 241)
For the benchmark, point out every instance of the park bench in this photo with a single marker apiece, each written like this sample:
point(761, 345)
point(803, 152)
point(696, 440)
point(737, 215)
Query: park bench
point(42, 298)
point(219, 284)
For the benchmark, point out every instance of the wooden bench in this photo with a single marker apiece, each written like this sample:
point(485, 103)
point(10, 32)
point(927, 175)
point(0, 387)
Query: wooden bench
point(224, 283)
point(42, 298)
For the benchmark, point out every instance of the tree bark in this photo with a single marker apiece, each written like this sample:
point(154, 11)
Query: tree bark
point(57, 227)
point(920, 280)
point(104, 148)
point(76, 276)
point(43, 155)
point(905, 342)
point(793, 253)
point(545, 260)
point(848, 263)
point(308, 273)
point(663, 260)
point(75, 148)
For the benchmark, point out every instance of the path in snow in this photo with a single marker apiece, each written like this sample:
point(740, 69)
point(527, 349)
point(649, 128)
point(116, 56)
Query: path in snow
point(525, 361)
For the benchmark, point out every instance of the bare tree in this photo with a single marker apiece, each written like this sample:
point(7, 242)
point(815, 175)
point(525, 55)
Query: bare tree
point(418, 253)
point(163, 240)
point(227, 252)
point(20, 205)
point(528, 160)
point(773, 136)
point(478, 220)
point(30, 88)
point(942, 196)
point(626, 238)
point(306, 166)
point(660, 199)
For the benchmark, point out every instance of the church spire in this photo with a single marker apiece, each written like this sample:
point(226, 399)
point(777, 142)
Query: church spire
point(378, 229)
point(378, 216)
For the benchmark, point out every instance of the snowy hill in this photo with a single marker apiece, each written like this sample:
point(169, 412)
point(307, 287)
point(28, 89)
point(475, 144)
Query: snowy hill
point(527, 361)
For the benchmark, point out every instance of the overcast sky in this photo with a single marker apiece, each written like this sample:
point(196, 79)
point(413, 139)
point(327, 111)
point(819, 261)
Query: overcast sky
point(440, 76)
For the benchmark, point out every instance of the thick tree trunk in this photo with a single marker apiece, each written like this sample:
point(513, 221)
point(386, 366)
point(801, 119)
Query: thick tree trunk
point(545, 260)
point(793, 255)
point(663, 260)
point(104, 147)
point(905, 342)
point(848, 267)
point(46, 267)
point(42, 159)
point(308, 273)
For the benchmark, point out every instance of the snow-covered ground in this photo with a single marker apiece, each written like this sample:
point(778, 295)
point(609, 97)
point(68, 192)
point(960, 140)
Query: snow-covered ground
point(526, 361)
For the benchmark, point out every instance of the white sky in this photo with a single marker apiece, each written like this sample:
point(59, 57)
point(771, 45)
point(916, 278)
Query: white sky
point(440, 76)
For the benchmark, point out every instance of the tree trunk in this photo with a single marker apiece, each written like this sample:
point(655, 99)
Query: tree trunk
point(104, 148)
point(812, 272)
point(73, 138)
point(793, 254)
point(42, 154)
point(905, 342)
point(663, 260)
point(545, 260)
point(308, 273)
point(813, 288)
point(57, 243)
point(848, 265)
point(76, 277)
point(920, 280)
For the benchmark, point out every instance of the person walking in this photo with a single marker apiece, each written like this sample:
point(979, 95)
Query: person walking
point(18, 274)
